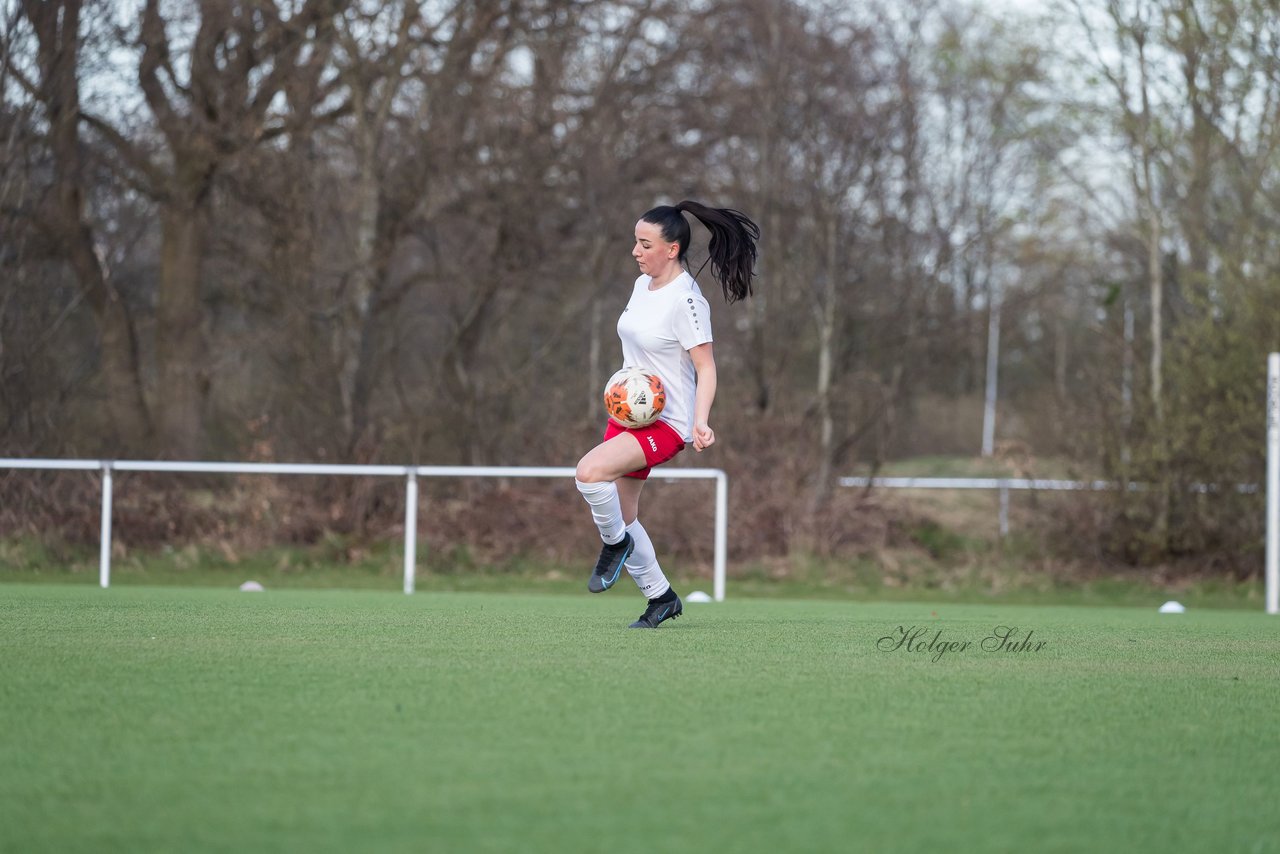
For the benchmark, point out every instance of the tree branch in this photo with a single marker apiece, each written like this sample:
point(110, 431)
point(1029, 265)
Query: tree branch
point(131, 154)
point(155, 55)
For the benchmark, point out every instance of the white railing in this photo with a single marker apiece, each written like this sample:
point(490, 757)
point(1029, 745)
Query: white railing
point(1272, 560)
point(1003, 484)
point(409, 473)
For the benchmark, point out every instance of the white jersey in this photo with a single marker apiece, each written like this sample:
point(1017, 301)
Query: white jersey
point(658, 329)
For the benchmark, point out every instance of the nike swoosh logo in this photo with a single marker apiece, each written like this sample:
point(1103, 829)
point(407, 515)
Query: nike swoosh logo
point(618, 571)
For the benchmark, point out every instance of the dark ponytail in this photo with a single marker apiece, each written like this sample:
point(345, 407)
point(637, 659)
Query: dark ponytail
point(732, 248)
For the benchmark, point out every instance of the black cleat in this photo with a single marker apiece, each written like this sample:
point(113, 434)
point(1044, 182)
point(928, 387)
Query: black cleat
point(657, 612)
point(609, 566)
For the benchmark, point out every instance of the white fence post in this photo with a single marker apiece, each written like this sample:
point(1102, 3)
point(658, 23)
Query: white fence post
point(722, 534)
point(410, 529)
point(104, 532)
point(1273, 484)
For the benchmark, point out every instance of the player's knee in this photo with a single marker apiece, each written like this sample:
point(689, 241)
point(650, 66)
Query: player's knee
point(589, 472)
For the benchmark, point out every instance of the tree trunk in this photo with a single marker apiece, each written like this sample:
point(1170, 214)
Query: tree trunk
point(1155, 285)
point(180, 340)
point(771, 179)
point(826, 316)
point(1155, 279)
point(596, 378)
point(366, 362)
point(118, 343)
point(354, 345)
point(57, 29)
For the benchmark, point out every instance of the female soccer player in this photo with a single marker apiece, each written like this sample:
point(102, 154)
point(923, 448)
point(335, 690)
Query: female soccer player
point(666, 328)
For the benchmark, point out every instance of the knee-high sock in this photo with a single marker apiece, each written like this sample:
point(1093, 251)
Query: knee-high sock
point(606, 509)
point(643, 563)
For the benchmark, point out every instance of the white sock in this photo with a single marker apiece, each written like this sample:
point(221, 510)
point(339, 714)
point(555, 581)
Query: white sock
point(643, 563)
point(606, 509)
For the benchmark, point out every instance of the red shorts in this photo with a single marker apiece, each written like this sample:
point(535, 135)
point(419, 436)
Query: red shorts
point(659, 441)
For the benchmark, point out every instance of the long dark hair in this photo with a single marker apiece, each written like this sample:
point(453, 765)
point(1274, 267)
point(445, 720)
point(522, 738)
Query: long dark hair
point(732, 248)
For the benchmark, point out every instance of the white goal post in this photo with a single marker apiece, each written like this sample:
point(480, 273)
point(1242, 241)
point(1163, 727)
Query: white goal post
point(1273, 483)
point(409, 473)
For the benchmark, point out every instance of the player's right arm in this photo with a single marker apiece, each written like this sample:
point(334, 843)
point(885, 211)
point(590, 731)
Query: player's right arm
point(704, 364)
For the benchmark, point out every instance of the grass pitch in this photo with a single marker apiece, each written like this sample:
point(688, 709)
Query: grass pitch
point(169, 719)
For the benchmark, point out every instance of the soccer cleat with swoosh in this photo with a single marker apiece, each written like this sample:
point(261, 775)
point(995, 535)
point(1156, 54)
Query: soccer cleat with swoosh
point(609, 566)
point(657, 612)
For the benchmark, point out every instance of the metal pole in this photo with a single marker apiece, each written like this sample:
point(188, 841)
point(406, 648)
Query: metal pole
point(1273, 483)
point(104, 533)
point(722, 533)
point(410, 529)
point(993, 377)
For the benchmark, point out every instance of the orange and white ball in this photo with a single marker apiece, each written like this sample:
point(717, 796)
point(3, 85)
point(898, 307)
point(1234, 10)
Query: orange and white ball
point(634, 397)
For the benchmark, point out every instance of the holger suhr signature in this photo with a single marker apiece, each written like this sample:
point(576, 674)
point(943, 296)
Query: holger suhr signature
point(919, 639)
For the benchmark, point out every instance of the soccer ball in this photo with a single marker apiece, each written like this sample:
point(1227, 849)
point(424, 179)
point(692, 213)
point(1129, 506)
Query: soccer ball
point(634, 397)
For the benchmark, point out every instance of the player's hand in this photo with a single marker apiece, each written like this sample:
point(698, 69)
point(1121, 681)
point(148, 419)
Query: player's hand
point(703, 437)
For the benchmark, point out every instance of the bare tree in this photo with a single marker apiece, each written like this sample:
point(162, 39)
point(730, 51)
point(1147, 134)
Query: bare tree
point(64, 215)
point(215, 107)
point(1127, 69)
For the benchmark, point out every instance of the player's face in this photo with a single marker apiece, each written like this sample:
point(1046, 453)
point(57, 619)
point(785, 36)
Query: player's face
point(652, 253)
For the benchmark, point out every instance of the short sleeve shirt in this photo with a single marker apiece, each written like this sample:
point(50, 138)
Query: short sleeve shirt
point(658, 329)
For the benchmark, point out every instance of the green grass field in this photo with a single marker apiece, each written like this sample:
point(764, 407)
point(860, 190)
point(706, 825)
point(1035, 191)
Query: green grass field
point(172, 719)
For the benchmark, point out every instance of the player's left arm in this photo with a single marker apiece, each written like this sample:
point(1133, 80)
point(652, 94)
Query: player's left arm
point(705, 364)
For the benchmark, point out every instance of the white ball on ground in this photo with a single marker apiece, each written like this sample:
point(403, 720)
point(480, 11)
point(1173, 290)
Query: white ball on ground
point(1172, 607)
point(697, 596)
point(252, 587)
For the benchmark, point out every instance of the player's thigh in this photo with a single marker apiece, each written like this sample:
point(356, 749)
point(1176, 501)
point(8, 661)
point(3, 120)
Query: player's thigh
point(629, 489)
point(611, 459)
